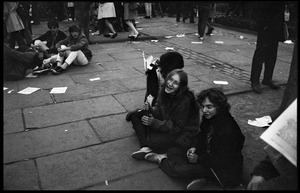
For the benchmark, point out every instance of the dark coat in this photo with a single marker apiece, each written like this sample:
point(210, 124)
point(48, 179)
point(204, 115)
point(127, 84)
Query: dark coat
point(226, 148)
point(50, 41)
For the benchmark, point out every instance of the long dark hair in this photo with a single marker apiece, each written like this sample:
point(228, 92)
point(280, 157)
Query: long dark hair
point(171, 101)
point(217, 97)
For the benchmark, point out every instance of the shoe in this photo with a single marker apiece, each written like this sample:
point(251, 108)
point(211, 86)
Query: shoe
point(256, 88)
point(114, 35)
point(271, 84)
point(106, 35)
point(136, 36)
point(209, 31)
point(128, 116)
point(140, 154)
point(131, 36)
point(197, 184)
point(41, 70)
point(58, 70)
point(147, 17)
point(154, 157)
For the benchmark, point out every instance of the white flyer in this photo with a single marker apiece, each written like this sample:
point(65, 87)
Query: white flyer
point(28, 90)
point(58, 90)
point(220, 82)
point(282, 134)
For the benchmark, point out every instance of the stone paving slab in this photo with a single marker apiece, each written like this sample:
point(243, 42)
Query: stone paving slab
point(92, 165)
point(137, 182)
point(110, 128)
point(20, 176)
point(106, 75)
point(60, 113)
point(134, 84)
point(41, 142)
point(110, 48)
point(131, 100)
point(124, 64)
point(93, 89)
point(12, 121)
point(101, 57)
point(19, 101)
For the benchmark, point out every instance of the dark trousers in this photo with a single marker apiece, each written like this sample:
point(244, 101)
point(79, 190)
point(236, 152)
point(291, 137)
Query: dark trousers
point(16, 37)
point(157, 141)
point(177, 165)
point(203, 12)
point(266, 52)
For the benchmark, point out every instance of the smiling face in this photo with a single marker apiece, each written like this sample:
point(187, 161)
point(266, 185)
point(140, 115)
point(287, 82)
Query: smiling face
point(208, 108)
point(172, 85)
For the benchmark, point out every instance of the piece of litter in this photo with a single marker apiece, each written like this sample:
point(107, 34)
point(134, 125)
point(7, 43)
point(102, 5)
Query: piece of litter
point(196, 42)
point(180, 35)
point(10, 91)
point(238, 50)
point(241, 37)
point(219, 42)
point(4, 88)
point(30, 112)
point(93, 79)
point(58, 90)
point(99, 63)
point(213, 66)
point(220, 82)
point(154, 40)
point(196, 34)
point(288, 42)
point(106, 182)
point(30, 75)
point(261, 122)
point(212, 34)
point(168, 36)
point(28, 90)
point(169, 48)
point(66, 130)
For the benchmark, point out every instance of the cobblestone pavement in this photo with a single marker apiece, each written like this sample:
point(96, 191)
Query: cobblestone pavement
point(80, 140)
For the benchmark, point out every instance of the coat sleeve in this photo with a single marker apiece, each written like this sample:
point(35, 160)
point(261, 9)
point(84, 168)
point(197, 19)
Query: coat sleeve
point(266, 169)
point(62, 42)
point(80, 44)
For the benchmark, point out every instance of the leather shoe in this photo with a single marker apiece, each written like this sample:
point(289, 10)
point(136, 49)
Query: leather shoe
point(256, 88)
point(271, 84)
point(114, 35)
point(58, 70)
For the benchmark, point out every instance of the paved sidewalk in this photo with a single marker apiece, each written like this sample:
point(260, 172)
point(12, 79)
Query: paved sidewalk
point(80, 140)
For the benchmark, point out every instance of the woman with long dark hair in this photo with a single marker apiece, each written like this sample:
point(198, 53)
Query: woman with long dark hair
point(173, 121)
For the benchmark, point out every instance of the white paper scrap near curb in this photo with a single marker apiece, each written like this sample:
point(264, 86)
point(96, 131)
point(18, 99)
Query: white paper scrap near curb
point(168, 48)
point(168, 36)
point(288, 42)
point(93, 79)
point(139, 29)
point(106, 182)
point(4, 88)
point(196, 34)
point(219, 42)
point(28, 90)
point(10, 91)
point(220, 82)
point(180, 35)
point(241, 37)
point(196, 42)
point(58, 90)
point(154, 40)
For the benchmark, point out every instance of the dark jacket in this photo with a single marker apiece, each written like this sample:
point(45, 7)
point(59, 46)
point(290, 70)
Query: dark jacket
point(50, 41)
point(266, 169)
point(152, 84)
point(80, 43)
point(226, 146)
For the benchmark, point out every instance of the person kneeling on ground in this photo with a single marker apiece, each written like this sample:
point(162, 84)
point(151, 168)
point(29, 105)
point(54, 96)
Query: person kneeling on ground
point(173, 120)
point(216, 152)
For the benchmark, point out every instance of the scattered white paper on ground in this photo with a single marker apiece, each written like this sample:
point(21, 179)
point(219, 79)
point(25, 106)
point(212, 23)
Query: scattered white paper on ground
point(4, 88)
point(58, 90)
point(106, 182)
point(282, 134)
point(93, 79)
point(180, 35)
point(261, 122)
point(10, 91)
point(169, 48)
point(168, 36)
point(219, 42)
point(28, 90)
point(220, 82)
point(288, 42)
point(30, 75)
point(241, 37)
point(196, 42)
point(154, 40)
point(196, 34)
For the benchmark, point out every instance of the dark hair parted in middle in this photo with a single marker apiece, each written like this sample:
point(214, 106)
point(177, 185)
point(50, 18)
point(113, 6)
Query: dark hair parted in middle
point(170, 61)
point(215, 96)
point(52, 23)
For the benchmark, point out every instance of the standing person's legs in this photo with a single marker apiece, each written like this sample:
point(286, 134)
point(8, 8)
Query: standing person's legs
point(202, 21)
point(270, 61)
point(111, 27)
point(131, 26)
point(16, 37)
point(257, 62)
point(148, 10)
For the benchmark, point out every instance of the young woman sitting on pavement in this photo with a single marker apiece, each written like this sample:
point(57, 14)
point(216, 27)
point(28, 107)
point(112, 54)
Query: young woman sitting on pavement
point(72, 50)
point(173, 120)
point(215, 153)
point(155, 77)
point(46, 43)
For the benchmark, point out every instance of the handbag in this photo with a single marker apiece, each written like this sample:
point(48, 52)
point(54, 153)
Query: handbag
point(134, 6)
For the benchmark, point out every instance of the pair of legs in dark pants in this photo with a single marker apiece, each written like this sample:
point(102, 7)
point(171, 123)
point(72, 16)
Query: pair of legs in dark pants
point(266, 52)
point(178, 165)
point(203, 12)
point(157, 141)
